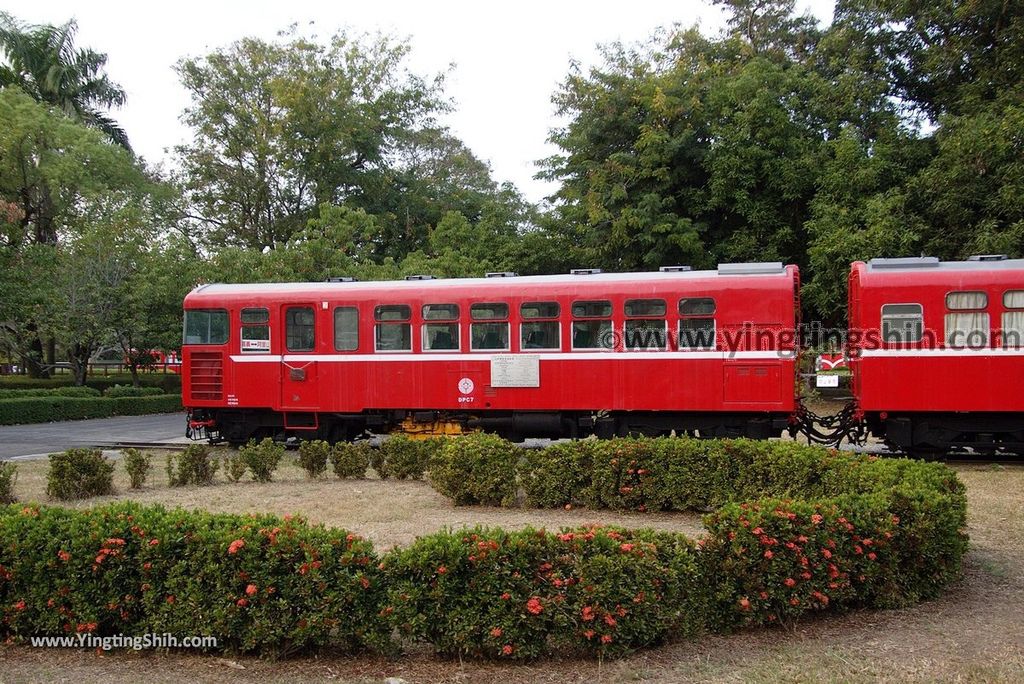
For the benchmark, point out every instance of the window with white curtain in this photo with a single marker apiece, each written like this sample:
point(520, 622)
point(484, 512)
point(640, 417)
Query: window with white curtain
point(966, 301)
point(967, 330)
point(1013, 321)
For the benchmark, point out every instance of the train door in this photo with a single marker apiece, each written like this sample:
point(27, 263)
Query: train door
point(299, 386)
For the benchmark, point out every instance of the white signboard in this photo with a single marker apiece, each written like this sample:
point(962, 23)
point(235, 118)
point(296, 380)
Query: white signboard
point(515, 370)
point(826, 380)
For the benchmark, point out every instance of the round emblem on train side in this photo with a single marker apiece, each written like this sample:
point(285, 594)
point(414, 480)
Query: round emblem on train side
point(466, 386)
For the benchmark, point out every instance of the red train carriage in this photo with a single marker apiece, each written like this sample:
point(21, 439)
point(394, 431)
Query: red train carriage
point(707, 352)
point(937, 352)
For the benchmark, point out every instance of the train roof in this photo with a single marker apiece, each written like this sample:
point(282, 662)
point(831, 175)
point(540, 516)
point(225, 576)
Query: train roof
point(984, 262)
point(771, 271)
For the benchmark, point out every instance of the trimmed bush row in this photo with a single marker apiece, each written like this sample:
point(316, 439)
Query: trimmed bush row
point(822, 531)
point(49, 392)
point(170, 383)
point(47, 409)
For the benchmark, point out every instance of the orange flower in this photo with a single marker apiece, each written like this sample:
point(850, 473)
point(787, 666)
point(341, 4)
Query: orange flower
point(588, 613)
point(609, 620)
point(534, 607)
point(154, 542)
point(626, 548)
point(441, 570)
point(251, 590)
point(745, 603)
point(789, 582)
point(64, 555)
point(242, 603)
point(768, 554)
point(589, 634)
point(606, 639)
point(506, 596)
point(496, 632)
point(506, 650)
point(872, 556)
point(236, 546)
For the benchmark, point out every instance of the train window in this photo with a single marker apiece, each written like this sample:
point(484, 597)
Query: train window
point(697, 333)
point(1013, 321)
point(1013, 299)
point(646, 334)
point(440, 312)
point(645, 308)
point(255, 315)
point(393, 337)
point(592, 335)
point(255, 339)
point(440, 336)
point(298, 329)
point(697, 306)
point(967, 330)
point(539, 310)
point(487, 312)
point(205, 326)
point(966, 301)
point(393, 312)
point(488, 337)
point(598, 309)
point(540, 335)
point(346, 328)
point(902, 323)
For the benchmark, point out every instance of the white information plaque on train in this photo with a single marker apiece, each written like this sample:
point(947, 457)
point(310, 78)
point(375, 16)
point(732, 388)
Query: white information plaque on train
point(515, 370)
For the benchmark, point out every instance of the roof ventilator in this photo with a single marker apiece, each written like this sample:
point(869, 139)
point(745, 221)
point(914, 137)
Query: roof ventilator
point(500, 274)
point(905, 262)
point(765, 268)
point(421, 277)
point(988, 257)
point(585, 271)
point(674, 269)
point(341, 279)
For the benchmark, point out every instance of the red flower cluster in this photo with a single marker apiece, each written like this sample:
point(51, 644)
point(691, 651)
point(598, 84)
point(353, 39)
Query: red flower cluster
point(236, 546)
point(534, 606)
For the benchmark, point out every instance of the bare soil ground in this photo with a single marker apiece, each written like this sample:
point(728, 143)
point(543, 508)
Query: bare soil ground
point(975, 633)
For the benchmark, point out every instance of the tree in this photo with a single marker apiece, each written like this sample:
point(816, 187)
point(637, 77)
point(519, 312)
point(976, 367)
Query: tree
point(281, 129)
point(45, 63)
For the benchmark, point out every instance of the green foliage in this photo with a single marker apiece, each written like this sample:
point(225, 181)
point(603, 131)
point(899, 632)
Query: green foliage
point(477, 469)
point(258, 583)
point(351, 459)
point(129, 391)
point(313, 457)
point(78, 474)
point(47, 409)
point(235, 465)
point(50, 392)
point(137, 464)
point(8, 478)
point(262, 458)
point(170, 383)
point(193, 466)
point(799, 530)
point(403, 457)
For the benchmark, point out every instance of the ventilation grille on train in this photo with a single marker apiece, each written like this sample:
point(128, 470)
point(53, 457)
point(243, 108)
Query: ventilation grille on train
point(207, 375)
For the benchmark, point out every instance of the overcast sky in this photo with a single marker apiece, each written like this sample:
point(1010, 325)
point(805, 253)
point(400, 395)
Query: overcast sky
point(508, 57)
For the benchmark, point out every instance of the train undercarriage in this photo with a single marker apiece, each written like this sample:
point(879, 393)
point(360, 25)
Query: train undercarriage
point(934, 435)
point(237, 426)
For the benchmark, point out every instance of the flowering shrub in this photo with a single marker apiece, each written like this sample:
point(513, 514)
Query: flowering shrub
point(351, 459)
point(477, 469)
point(79, 473)
point(256, 583)
point(138, 465)
point(488, 592)
point(192, 466)
point(262, 458)
point(797, 530)
point(313, 457)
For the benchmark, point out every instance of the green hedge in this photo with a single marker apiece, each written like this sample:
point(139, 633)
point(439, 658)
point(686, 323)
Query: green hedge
point(130, 391)
point(47, 409)
point(797, 530)
point(49, 392)
point(170, 383)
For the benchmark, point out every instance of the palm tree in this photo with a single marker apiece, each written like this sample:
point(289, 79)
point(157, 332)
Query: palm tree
point(44, 62)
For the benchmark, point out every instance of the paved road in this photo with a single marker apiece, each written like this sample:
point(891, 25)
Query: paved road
point(45, 438)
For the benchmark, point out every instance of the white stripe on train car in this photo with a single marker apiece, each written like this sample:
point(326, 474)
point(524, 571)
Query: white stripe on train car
point(932, 353)
point(483, 356)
